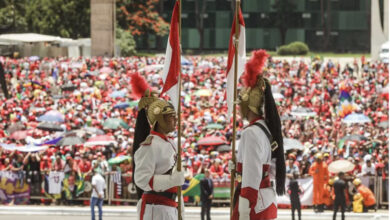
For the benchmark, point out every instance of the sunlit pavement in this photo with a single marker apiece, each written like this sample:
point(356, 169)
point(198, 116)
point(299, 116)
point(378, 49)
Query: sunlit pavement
point(129, 212)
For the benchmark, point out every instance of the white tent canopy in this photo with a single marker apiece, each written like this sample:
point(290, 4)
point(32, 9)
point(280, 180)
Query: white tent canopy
point(28, 38)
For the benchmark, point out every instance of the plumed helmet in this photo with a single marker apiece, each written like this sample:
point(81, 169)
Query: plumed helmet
point(251, 97)
point(357, 182)
point(157, 109)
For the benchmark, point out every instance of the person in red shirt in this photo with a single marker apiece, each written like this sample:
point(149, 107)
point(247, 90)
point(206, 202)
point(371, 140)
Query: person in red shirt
point(45, 164)
point(84, 164)
point(216, 169)
point(358, 168)
point(198, 163)
point(70, 165)
point(58, 164)
point(6, 166)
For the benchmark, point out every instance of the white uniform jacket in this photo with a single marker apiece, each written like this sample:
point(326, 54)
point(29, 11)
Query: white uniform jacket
point(254, 164)
point(156, 155)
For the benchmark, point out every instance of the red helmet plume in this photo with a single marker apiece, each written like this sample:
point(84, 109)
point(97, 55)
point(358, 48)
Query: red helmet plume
point(254, 67)
point(138, 85)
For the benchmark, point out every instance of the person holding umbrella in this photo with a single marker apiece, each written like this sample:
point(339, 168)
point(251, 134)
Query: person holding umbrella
point(261, 140)
point(155, 157)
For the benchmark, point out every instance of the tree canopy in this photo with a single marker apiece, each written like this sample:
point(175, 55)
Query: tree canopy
point(65, 18)
point(142, 17)
point(12, 16)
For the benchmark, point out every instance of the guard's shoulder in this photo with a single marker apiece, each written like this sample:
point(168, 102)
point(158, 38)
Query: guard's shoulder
point(147, 141)
point(256, 129)
point(252, 129)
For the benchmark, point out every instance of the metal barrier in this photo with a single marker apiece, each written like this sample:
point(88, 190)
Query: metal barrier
point(123, 191)
point(128, 192)
point(382, 194)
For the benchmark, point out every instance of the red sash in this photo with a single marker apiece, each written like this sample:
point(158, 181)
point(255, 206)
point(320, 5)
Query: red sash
point(155, 200)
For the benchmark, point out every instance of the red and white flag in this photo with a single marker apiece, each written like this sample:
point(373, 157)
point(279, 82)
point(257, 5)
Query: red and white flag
point(171, 70)
point(241, 60)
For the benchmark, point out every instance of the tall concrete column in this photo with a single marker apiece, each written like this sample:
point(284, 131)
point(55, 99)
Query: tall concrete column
point(103, 22)
point(386, 22)
point(377, 34)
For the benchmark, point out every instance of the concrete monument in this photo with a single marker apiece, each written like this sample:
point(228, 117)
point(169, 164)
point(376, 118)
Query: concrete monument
point(103, 28)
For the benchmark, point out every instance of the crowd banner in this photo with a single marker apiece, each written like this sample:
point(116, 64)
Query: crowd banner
point(27, 148)
point(307, 196)
point(13, 188)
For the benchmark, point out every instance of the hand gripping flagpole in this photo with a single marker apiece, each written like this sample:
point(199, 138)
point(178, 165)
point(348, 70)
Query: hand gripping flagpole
point(233, 172)
point(179, 211)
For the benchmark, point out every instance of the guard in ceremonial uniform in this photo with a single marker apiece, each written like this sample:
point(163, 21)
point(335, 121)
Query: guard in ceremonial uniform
point(155, 173)
point(261, 141)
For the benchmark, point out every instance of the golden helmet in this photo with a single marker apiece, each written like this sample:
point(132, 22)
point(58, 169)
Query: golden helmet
point(357, 182)
point(157, 109)
point(331, 181)
point(253, 98)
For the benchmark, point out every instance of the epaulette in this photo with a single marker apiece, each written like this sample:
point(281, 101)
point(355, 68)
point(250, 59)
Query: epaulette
point(147, 141)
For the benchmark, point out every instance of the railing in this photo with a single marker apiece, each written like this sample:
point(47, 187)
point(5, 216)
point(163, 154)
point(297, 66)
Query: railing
point(382, 192)
point(128, 194)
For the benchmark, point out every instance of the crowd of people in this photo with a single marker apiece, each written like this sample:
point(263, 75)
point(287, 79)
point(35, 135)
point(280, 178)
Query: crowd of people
point(88, 91)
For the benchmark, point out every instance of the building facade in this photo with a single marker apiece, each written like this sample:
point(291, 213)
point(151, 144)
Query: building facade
point(325, 25)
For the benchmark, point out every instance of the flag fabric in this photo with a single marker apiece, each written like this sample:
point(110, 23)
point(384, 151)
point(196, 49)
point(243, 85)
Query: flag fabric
point(344, 94)
point(79, 183)
point(171, 70)
point(241, 60)
point(346, 104)
point(193, 188)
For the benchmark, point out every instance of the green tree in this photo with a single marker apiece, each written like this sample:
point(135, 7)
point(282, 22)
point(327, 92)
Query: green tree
point(284, 12)
point(125, 41)
point(12, 16)
point(65, 18)
point(141, 18)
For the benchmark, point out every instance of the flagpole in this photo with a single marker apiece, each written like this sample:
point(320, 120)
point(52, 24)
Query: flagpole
point(233, 172)
point(179, 122)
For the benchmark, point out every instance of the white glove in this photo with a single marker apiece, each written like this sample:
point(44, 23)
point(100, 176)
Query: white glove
point(231, 166)
point(164, 182)
point(243, 208)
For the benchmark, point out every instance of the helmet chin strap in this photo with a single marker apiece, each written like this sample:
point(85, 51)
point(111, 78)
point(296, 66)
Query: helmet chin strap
point(161, 127)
